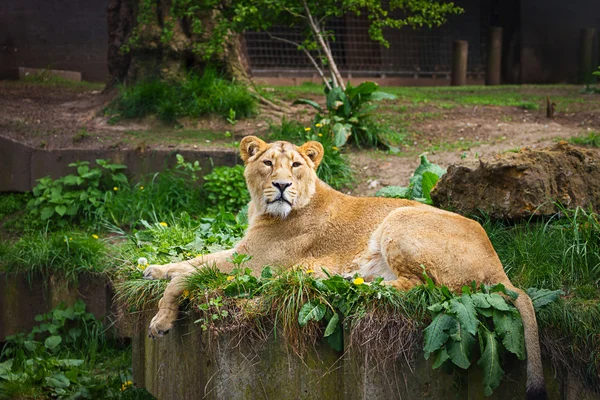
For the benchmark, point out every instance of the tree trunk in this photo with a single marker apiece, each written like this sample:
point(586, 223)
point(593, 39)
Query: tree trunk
point(151, 58)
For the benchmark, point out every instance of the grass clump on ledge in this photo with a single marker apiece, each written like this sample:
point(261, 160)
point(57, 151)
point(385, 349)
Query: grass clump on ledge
point(193, 96)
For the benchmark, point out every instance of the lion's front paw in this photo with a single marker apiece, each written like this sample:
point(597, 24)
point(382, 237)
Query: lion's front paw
point(155, 272)
point(162, 323)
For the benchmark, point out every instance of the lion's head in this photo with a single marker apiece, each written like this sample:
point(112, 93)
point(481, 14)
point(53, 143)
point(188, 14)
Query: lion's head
point(281, 177)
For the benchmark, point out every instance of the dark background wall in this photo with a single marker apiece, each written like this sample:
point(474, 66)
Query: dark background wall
point(551, 36)
point(57, 34)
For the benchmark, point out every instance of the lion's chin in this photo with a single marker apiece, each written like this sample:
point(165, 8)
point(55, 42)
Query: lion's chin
point(279, 209)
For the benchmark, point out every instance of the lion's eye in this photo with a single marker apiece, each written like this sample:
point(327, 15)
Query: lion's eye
point(296, 164)
point(268, 163)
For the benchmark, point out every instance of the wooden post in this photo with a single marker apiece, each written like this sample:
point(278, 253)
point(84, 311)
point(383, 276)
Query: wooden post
point(459, 63)
point(492, 75)
point(587, 53)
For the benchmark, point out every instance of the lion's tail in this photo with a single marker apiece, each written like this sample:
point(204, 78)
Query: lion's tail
point(536, 385)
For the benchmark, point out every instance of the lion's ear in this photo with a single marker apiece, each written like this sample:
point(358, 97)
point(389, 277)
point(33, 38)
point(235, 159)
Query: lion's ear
point(250, 145)
point(314, 151)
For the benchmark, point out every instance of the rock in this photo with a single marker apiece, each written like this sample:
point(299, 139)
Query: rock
point(523, 184)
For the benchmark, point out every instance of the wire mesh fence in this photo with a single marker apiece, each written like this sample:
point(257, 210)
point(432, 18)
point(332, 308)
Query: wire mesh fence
point(422, 52)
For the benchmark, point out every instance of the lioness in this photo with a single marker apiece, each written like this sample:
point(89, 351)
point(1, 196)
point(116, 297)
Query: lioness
point(296, 219)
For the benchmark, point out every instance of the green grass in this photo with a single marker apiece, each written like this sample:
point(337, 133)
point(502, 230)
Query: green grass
point(591, 139)
point(195, 96)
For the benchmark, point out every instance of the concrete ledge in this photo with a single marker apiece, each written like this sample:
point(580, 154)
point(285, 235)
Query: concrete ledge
point(187, 364)
point(69, 75)
point(22, 297)
point(21, 165)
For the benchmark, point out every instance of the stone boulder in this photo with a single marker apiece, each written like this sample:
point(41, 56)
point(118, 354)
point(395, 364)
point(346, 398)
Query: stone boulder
point(524, 184)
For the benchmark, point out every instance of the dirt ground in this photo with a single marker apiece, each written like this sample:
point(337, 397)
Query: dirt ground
point(72, 117)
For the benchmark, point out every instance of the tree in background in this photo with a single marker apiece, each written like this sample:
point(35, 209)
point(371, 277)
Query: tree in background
point(167, 37)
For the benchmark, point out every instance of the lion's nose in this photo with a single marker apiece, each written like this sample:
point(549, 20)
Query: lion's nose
point(281, 185)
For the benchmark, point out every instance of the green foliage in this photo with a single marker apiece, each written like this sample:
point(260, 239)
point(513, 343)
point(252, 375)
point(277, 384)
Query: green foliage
point(77, 196)
point(195, 96)
point(422, 182)
point(334, 168)
point(349, 115)
point(69, 253)
point(591, 139)
point(11, 203)
point(60, 357)
point(225, 188)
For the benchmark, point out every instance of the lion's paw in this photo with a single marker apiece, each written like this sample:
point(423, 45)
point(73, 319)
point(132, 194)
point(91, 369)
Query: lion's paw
point(155, 272)
point(160, 325)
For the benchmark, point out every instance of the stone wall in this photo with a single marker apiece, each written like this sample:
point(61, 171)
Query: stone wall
point(21, 166)
point(186, 364)
point(56, 34)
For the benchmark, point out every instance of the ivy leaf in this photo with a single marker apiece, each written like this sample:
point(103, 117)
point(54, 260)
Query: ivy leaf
point(497, 302)
point(543, 297)
point(332, 325)
point(436, 334)
point(490, 361)
point(464, 310)
point(459, 347)
point(311, 311)
point(509, 326)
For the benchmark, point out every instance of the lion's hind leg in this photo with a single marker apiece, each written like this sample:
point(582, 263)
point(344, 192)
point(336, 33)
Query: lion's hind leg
point(168, 308)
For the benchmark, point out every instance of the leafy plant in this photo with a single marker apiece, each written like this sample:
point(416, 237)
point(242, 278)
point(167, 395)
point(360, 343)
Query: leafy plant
point(82, 195)
point(349, 115)
point(226, 189)
point(591, 139)
point(422, 182)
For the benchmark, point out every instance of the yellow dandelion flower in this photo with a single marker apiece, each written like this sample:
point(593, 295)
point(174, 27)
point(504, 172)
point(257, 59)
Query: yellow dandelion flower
point(70, 238)
point(126, 385)
point(318, 125)
point(334, 148)
point(115, 188)
point(310, 271)
point(65, 240)
point(358, 281)
point(230, 277)
point(186, 294)
point(142, 266)
point(95, 236)
point(307, 129)
point(141, 188)
point(319, 134)
point(163, 224)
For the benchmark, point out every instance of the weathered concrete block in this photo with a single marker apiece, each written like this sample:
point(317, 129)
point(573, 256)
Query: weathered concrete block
point(15, 166)
point(22, 297)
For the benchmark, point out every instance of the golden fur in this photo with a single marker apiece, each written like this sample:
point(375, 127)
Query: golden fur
point(296, 219)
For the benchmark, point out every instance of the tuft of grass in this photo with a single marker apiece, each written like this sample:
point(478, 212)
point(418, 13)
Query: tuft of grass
point(591, 139)
point(195, 96)
point(70, 253)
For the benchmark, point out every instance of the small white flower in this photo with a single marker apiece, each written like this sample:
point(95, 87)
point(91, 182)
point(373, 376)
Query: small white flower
point(142, 261)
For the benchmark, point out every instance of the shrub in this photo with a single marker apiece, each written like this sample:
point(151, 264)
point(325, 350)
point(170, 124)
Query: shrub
point(194, 96)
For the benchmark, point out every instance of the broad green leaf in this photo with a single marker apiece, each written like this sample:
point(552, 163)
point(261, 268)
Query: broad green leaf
point(335, 95)
point(266, 273)
point(417, 178)
point(439, 358)
point(69, 362)
point(397, 192)
point(499, 287)
point(428, 182)
point(336, 339)
point(6, 367)
point(542, 297)
point(509, 326)
point(333, 324)
point(311, 103)
point(497, 302)
point(465, 312)
point(437, 333)
point(459, 347)
point(437, 307)
point(58, 381)
point(480, 300)
point(341, 133)
point(60, 210)
point(490, 361)
point(365, 88)
point(52, 341)
point(311, 311)
point(46, 212)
